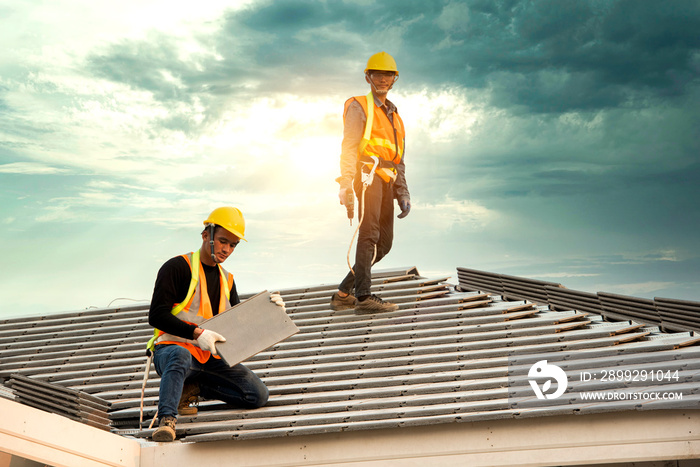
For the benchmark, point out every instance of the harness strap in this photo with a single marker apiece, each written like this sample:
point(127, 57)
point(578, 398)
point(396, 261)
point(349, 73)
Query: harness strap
point(194, 267)
point(386, 169)
point(383, 163)
point(368, 125)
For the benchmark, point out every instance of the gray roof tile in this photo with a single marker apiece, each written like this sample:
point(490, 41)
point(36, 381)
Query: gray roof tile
point(449, 354)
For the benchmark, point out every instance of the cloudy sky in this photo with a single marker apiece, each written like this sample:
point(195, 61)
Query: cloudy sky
point(551, 139)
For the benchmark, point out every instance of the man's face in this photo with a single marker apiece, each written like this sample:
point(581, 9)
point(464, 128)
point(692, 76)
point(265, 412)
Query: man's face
point(382, 80)
point(224, 243)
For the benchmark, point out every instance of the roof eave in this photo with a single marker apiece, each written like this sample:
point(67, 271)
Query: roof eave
point(557, 440)
point(48, 438)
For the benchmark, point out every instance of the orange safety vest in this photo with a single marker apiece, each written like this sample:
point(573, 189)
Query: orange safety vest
point(196, 307)
point(381, 138)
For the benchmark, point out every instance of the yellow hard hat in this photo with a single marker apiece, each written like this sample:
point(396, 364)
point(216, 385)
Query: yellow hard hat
point(382, 61)
point(230, 219)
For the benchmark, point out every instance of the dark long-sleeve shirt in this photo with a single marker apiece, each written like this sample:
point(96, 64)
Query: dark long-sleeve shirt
point(354, 129)
point(172, 284)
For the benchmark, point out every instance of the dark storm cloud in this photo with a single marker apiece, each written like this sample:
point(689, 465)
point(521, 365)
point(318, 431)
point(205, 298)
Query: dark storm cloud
point(141, 65)
point(632, 64)
point(155, 66)
point(554, 56)
point(547, 56)
point(543, 56)
point(260, 48)
point(292, 46)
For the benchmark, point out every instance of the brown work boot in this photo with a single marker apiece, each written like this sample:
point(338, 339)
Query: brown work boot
point(374, 304)
point(165, 432)
point(190, 393)
point(339, 303)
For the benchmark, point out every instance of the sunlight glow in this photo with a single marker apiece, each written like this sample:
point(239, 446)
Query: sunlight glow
point(295, 137)
point(443, 115)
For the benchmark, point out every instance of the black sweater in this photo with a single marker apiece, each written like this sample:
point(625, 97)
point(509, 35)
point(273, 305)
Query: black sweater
point(172, 284)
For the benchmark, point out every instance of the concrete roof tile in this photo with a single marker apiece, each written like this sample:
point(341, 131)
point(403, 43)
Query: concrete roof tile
point(449, 354)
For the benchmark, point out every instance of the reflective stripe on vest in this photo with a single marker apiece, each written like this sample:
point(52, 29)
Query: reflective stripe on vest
point(381, 137)
point(196, 307)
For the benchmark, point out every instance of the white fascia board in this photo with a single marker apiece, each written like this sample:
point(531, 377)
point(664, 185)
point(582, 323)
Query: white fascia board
point(58, 441)
point(635, 436)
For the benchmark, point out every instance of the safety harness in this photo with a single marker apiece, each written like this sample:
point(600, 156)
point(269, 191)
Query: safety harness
point(373, 163)
point(386, 168)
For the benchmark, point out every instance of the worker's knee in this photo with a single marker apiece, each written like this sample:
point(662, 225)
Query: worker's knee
point(172, 358)
point(181, 356)
point(381, 253)
point(368, 238)
point(258, 399)
point(384, 246)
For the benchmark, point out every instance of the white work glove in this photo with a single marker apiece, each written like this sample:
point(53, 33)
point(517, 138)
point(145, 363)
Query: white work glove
point(208, 339)
point(276, 298)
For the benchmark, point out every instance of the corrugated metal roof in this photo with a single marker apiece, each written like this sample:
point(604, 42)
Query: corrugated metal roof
point(448, 354)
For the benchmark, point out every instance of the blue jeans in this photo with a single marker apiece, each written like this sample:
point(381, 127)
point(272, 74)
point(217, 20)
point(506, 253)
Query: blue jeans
point(236, 385)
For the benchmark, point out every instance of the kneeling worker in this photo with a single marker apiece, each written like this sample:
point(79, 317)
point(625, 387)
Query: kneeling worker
point(185, 355)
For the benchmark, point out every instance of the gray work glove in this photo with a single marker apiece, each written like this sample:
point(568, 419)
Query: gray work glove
point(405, 206)
point(276, 298)
point(208, 339)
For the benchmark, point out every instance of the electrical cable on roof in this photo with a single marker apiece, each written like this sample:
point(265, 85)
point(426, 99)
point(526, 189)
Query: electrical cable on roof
point(125, 298)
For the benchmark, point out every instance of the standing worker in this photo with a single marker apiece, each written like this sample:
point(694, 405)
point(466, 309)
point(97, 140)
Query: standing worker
point(373, 132)
point(190, 289)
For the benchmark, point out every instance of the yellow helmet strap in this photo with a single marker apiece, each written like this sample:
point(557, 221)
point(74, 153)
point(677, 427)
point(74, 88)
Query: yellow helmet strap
point(212, 229)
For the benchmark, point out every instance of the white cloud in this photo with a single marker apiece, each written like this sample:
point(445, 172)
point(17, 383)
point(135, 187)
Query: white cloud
point(648, 256)
point(556, 275)
point(639, 289)
point(442, 115)
point(30, 168)
point(81, 24)
point(465, 215)
point(454, 17)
